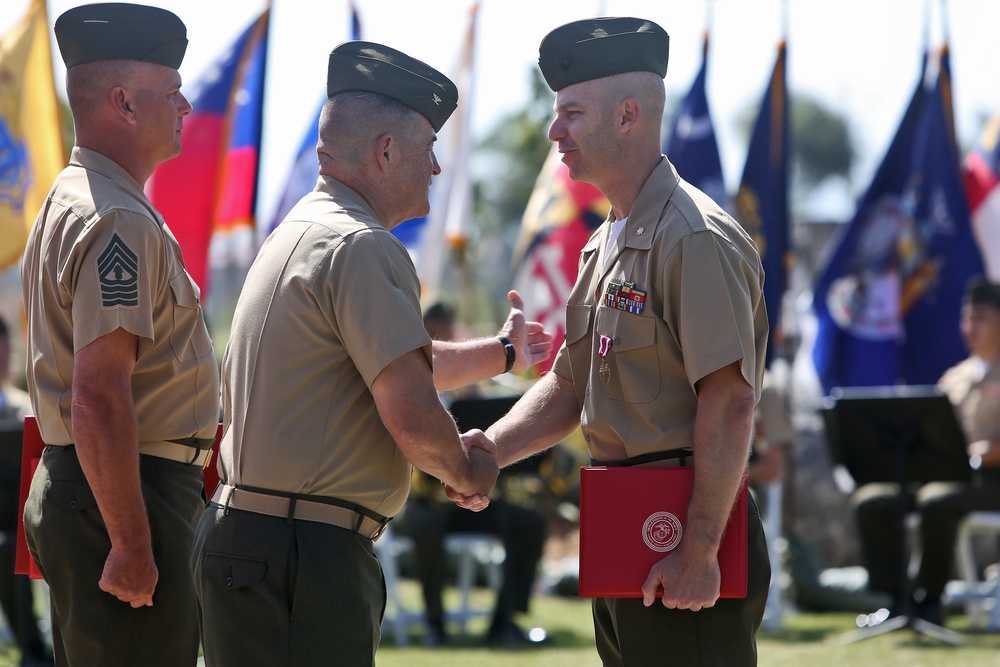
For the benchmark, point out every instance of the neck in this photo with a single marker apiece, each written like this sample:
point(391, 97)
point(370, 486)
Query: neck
point(623, 189)
point(363, 183)
point(123, 154)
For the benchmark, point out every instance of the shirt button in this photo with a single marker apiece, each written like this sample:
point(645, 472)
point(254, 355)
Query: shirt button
point(229, 581)
point(618, 340)
point(72, 504)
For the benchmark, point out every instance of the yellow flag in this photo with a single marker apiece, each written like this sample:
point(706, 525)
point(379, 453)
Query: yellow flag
point(31, 147)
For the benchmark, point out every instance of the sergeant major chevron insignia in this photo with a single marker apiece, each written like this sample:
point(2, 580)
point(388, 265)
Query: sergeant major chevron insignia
point(118, 270)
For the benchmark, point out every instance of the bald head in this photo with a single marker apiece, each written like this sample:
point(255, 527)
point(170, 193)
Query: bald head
point(128, 110)
point(88, 85)
point(352, 121)
point(646, 87)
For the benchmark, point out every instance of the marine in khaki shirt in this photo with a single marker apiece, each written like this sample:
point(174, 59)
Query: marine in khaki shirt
point(670, 323)
point(331, 301)
point(121, 370)
point(665, 337)
point(331, 385)
point(101, 258)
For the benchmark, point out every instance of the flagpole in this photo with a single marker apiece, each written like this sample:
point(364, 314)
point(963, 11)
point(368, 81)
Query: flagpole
point(945, 28)
point(927, 26)
point(260, 133)
point(709, 15)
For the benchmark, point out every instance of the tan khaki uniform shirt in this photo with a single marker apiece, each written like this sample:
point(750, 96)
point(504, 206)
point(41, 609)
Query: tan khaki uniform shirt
point(330, 301)
point(974, 390)
point(699, 280)
point(100, 257)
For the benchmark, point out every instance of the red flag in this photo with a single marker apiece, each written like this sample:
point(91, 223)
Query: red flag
point(561, 215)
point(982, 187)
point(211, 187)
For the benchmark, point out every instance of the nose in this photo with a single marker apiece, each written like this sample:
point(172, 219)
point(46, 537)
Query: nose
point(185, 107)
point(556, 131)
point(435, 167)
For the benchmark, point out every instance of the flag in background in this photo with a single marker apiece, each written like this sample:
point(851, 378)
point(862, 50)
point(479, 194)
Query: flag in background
point(691, 145)
point(31, 143)
point(303, 174)
point(982, 188)
point(560, 216)
point(762, 201)
point(210, 189)
point(447, 225)
point(887, 302)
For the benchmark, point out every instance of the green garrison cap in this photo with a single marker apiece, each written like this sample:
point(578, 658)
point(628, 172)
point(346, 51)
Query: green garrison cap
point(121, 31)
point(596, 48)
point(379, 69)
point(979, 292)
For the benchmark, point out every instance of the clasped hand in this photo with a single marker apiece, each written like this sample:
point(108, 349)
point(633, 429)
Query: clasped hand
point(482, 457)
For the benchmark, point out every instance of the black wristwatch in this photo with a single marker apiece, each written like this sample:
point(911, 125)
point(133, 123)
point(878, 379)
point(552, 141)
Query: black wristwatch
point(508, 348)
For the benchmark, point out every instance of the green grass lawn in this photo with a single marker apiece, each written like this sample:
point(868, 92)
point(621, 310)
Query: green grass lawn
point(812, 640)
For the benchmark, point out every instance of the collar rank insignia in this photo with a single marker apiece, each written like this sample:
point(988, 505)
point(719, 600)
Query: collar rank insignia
point(624, 296)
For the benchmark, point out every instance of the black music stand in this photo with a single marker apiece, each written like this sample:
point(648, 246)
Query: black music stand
point(481, 412)
point(906, 435)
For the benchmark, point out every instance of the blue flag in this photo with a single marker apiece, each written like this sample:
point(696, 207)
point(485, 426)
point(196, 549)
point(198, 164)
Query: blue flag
point(691, 145)
point(762, 201)
point(888, 301)
point(303, 174)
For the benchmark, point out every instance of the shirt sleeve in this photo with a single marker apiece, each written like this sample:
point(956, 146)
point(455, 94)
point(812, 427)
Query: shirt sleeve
point(376, 302)
point(112, 277)
point(712, 287)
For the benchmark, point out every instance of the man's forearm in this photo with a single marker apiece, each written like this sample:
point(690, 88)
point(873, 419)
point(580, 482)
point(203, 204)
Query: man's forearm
point(423, 430)
point(722, 433)
point(461, 363)
point(106, 435)
point(547, 413)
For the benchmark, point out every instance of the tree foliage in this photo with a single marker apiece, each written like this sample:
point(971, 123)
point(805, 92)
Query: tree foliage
point(822, 145)
point(511, 156)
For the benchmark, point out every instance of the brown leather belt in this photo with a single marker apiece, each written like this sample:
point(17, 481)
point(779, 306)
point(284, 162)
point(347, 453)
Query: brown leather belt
point(229, 496)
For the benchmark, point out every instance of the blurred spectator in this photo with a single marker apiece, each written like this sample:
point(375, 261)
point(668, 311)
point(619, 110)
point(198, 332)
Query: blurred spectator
point(16, 596)
point(973, 386)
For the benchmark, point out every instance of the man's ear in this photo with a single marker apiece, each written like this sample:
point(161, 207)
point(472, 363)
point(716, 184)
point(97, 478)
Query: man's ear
point(385, 151)
point(628, 113)
point(121, 104)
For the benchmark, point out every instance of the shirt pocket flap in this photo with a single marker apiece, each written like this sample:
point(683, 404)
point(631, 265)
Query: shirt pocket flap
point(634, 333)
point(577, 322)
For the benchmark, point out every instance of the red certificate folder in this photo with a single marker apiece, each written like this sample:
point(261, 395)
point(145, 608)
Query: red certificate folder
point(31, 454)
point(631, 517)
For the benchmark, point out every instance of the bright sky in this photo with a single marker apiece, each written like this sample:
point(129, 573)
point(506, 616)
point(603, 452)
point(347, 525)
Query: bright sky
point(859, 57)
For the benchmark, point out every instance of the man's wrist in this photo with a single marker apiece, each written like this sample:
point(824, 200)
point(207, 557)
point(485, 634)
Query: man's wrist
point(509, 350)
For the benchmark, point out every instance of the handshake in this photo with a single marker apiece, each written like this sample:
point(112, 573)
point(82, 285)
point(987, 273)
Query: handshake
point(482, 471)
